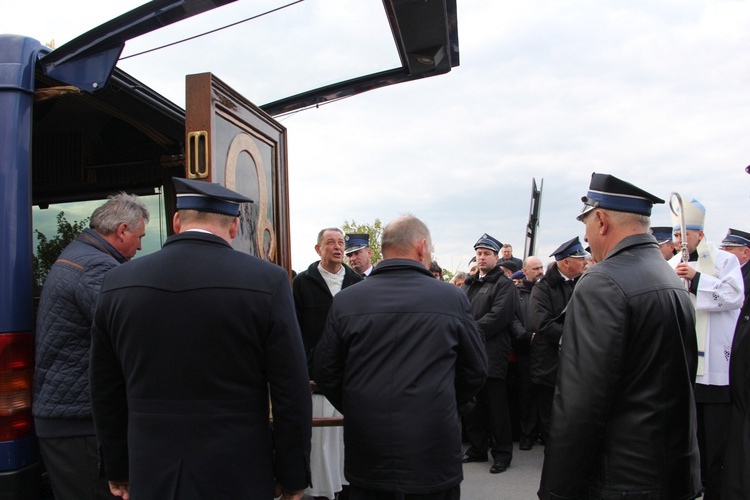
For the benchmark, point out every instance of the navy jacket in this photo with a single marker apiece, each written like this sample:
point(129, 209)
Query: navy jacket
point(188, 344)
point(399, 354)
point(735, 480)
point(494, 300)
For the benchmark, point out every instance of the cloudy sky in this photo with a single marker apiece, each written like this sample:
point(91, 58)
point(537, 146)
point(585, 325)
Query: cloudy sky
point(654, 92)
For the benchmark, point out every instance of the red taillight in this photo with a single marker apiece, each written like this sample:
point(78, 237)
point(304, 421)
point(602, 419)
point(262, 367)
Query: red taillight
point(16, 372)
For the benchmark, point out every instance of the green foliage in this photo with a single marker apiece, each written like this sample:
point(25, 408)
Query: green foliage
point(375, 230)
point(47, 250)
point(447, 274)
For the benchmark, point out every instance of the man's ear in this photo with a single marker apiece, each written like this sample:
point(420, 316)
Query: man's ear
point(424, 253)
point(122, 228)
point(234, 227)
point(602, 220)
point(176, 224)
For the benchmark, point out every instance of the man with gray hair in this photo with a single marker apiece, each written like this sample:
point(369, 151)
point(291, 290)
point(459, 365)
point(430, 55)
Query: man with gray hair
point(62, 405)
point(401, 357)
point(314, 289)
point(623, 417)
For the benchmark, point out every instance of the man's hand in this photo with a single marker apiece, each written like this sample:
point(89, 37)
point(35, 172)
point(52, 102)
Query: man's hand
point(285, 494)
point(120, 489)
point(684, 271)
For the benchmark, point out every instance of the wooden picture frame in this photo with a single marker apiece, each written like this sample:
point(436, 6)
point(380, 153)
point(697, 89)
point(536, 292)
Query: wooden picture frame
point(231, 141)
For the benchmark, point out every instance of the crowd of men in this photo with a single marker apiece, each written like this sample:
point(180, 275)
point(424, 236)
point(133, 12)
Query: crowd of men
point(155, 378)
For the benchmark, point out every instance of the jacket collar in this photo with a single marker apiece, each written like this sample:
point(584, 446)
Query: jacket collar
point(197, 236)
point(90, 237)
point(350, 276)
point(490, 277)
point(527, 286)
point(634, 240)
point(389, 265)
point(554, 277)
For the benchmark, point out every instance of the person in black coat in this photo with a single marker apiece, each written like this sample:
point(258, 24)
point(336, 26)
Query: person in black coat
point(528, 414)
point(624, 418)
point(314, 290)
point(494, 300)
point(187, 345)
point(735, 480)
point(400, 356)
point(548, 301)
point(312, 294)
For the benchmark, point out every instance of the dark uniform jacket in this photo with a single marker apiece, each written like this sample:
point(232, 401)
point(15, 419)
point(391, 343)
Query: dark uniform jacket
point(548, 300)
point(522, 328)
point(400, 353)
point(186, 346)
point(312, 300)
point(494, 300)
point(624, 421)
point(736, 475)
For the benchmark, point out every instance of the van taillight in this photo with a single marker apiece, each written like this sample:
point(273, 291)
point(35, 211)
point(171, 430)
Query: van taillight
point(16, 372)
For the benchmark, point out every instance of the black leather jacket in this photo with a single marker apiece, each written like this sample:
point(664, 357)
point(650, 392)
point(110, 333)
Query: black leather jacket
point(623, 420)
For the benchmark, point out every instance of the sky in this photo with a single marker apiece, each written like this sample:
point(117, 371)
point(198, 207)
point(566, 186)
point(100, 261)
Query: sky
point(653, 92)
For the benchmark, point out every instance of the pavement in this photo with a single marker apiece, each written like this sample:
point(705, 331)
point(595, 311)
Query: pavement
point(519, 482)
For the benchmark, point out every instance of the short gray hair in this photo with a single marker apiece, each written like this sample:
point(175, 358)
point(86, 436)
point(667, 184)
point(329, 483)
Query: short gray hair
point(119, 208)
point(188, 215)
point(323, 232)
point(401, 234)
point(627, 218)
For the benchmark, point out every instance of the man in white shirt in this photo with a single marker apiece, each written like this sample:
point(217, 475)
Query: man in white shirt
point(313, 290)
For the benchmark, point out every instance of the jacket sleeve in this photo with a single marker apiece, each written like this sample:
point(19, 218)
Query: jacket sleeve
point(543, 317)
point(297, 295)
point(471, 362)
point(724, 292)
point(108, 399)
point(591, 363)
point(502, 312)
point(290, 390)
point(328, 361)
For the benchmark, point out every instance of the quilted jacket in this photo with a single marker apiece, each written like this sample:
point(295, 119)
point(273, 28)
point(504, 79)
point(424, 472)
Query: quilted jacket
point(61, 405)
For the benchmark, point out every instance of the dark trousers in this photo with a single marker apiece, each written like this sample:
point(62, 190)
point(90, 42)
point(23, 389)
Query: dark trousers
point(489, 421)
point(72, 465)
point(528, 410)
point(544, 396)
point(713, 424)
point(363, 494)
